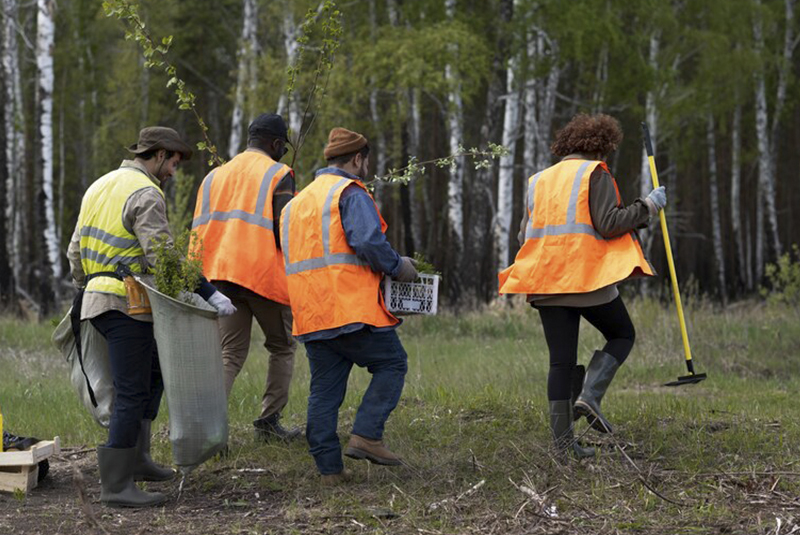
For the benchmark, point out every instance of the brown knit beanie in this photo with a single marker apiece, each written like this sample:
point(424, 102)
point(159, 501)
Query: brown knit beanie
point(342, 141)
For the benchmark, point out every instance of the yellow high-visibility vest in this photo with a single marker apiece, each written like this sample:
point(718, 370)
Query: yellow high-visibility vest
point(105, 242)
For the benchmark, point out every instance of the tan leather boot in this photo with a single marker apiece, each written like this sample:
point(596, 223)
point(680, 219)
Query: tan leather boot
point(372, 450)
point(331, 480)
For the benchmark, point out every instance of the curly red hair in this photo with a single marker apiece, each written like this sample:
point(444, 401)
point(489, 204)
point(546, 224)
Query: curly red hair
point(588, 134)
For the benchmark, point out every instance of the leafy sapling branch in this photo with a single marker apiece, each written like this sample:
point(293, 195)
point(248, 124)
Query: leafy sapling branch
point(179, 267)
point(155, 57)
point(482, 159)
point(330, 39)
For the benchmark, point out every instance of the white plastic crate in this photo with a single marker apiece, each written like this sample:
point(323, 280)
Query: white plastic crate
point(412, 297)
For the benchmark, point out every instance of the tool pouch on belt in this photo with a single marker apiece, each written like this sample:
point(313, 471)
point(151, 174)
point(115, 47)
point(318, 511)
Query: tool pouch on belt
point(135, 295)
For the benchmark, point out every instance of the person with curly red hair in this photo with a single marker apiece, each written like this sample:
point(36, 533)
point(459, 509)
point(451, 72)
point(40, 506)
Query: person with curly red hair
point(578, 240)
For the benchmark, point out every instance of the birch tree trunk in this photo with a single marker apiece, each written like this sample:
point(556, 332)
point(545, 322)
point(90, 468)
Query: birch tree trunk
point(540, 101)
point(374, 108)
point(414, 145)
point(290, 47)
point(736, 185)
point(455, 184)
point(505, 185)
point(716, 224)
point(766, 136)
point(651, 117)
point(15, 143)
point(45, 38)
point(247, 49)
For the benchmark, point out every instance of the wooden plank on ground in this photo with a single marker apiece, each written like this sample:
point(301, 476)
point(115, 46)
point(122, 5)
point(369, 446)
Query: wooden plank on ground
point(38, 452)
point(24, 478)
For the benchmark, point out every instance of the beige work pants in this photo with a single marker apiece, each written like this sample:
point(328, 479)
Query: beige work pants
point(275, 321)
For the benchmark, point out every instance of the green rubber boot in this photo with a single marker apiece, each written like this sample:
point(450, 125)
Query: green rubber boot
point(146, 469)
point(601, 371)
point(563, 434)
point(116, 478)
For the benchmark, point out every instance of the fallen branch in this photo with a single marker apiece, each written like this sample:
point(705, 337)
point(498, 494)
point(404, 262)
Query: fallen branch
point(80, 487)
point(472, 490)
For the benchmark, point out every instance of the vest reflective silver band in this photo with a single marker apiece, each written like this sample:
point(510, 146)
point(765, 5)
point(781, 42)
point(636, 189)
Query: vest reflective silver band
point(254, 218)
point(571, 226)
point(327, 259)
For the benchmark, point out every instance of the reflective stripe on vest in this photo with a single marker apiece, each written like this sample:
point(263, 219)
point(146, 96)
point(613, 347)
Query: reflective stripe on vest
point(563, 252)
point(571, 226)
point(329, 285)
point(327, 259)
point(236, 233)
point(105, 242)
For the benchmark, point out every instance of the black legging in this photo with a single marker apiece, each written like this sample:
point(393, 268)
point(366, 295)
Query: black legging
point(561, 326)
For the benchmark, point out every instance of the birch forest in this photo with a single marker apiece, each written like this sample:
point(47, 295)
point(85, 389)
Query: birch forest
point(716, 81)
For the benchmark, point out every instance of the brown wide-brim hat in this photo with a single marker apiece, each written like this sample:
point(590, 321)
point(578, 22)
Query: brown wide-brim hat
point(342, 141)
point(161, 137)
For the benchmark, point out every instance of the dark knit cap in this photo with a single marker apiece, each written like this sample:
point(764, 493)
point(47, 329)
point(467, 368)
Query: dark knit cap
point(342, 141)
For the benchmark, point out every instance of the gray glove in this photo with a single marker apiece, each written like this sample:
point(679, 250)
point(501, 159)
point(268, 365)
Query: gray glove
point(407, 271)
point(221, 303)
point(658, 197)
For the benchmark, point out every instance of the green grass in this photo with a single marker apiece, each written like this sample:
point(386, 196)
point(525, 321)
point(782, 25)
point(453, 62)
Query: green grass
point(474, 409)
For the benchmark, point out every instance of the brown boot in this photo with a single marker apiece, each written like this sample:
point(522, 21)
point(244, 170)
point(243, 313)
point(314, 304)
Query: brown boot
point(331, 480)
point(372, 450)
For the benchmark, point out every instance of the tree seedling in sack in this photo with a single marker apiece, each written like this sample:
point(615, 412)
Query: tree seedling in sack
point(178, 269)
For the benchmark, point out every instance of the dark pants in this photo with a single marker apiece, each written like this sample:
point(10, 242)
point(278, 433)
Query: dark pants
point(330, 362)
point(561, 326)
point(137, 376)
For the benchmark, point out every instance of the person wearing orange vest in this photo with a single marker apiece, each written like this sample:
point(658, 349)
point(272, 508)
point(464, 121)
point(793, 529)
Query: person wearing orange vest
point(578, 241)
point(336, 254)
point(237, 220)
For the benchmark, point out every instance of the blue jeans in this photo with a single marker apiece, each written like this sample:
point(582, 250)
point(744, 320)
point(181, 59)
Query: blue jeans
point(137, 376)
point(330, 362)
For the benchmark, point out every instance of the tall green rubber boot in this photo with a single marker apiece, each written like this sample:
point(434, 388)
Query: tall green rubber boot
point(116, 478)
point(601, 371)
point(563, 434)
point(146, 469)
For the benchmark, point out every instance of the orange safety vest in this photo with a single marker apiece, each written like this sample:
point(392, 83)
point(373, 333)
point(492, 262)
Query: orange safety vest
point(563, 253)
point(329, 286)
point(233, 217)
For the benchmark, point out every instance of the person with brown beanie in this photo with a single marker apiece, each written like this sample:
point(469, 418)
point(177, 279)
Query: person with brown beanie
point(336, 254)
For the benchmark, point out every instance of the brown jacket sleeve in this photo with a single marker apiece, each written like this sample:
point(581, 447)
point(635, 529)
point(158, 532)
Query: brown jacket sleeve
point(74, 258)
point(145, 216)
point(612, 219)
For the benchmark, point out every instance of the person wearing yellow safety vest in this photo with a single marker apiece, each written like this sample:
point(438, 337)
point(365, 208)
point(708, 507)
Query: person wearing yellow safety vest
point(121, 215)
point(334, 244)
point(237, 220)
point(577, 242)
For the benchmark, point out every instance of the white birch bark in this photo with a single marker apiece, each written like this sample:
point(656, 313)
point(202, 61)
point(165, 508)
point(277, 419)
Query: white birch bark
point(455, 124)
point(651, 117)
point(374, 108)
point(766, 136)
point(759, 237)
point(290, 47)
point(414, 136)
point(736, 185)
point(45, 38)
point(247, 49)
point(505, 185)
point(716, 224)
point(15, 140)
point(540, 101)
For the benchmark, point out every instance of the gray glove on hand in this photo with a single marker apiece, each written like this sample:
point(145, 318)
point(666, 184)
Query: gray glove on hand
point(657, 199)
point(407, 271)
point(220, 301)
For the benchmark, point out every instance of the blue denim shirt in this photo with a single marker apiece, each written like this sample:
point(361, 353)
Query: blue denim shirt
point(362, 229)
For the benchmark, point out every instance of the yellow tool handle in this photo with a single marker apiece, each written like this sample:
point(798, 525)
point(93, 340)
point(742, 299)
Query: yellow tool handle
point(670, 262)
